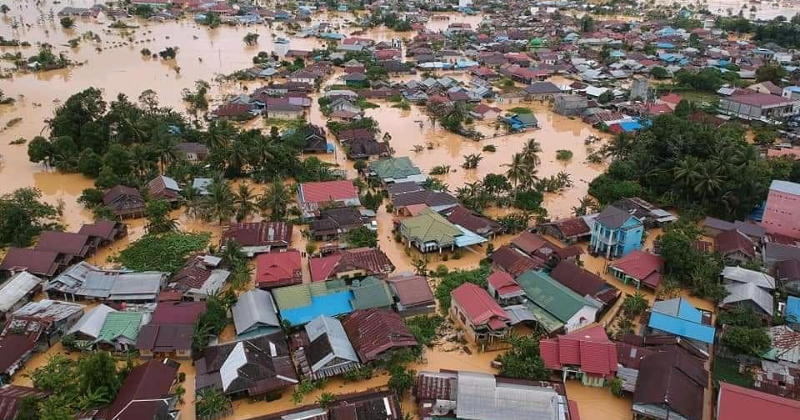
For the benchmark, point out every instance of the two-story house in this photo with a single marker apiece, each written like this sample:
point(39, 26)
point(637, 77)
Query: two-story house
point(616, 233)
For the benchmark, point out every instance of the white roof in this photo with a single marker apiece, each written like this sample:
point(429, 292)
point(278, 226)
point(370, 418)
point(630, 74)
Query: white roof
point(595, 91)
point(741, 292)
point(229, 370)
point(481, 397)
point(743, 275)
point(785, 187)
point(252, 308)
point(340, 345)
point(16, 288)
point(92, 321)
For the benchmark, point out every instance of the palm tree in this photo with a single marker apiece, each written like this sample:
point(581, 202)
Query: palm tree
point(220, 133)
point(531, 151)
point(471, 161)
point(193, 202)
point(273, 201)
point(619, 146)
point(709, 180)
point(219, 202)
point(244, 201)
point(686, 172)
point(520, 172)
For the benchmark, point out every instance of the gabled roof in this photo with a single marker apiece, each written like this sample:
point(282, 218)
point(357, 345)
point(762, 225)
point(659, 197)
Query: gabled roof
point(279, 269)
point(145, 392)
point(372, 261)
point(642, 266)
point(411, 290)
point(177, 313)
point(589, 348)
point(429, 226)
point(427, 197)
point(370, 293)
point(258, 234)
point(737, 403)
point(734, 241)
point(254, 307)
point(259, 365)
point(749, 292)
point(550, 295)
point(373, 332)
point(394, 168)
point(678, 317)
point(40, 263)
point(92, 321)
point(583, 282)
point(328, 342)
point(743, 275)
point(120, 324)
point(16, 288)
point(480, 308)
point(327, 191)
point(672, 378)
point(503, 283)
point(514, 261)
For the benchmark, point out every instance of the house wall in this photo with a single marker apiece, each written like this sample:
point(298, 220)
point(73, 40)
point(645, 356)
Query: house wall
point(615, 243)
point(584, 317)
point(459, 317)
point(782, 214)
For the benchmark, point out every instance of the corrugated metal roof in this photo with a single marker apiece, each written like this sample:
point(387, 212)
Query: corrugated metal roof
point(92, 321)
point(481, 397)
point(682, 327)
point(741, 292)
point(551, 295)
point(253, 308)
point(121, 324)
point(16, 288)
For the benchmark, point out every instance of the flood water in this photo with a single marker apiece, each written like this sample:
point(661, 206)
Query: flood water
point(118, 67)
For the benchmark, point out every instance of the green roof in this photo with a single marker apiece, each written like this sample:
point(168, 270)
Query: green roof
point(300, 295)
point(551, 295)
point(430, 226)
point(120, 324)
point(394, 168)
point(371, 293)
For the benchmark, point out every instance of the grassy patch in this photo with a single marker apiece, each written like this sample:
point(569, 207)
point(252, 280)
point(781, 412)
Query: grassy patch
point(520, 110)
point(167, 252)
point(727, 370)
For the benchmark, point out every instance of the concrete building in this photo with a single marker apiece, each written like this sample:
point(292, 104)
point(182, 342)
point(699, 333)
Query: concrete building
point(782, 213)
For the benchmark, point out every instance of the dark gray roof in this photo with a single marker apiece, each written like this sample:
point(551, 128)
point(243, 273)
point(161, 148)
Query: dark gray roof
point(613, 217)
point(542, 88)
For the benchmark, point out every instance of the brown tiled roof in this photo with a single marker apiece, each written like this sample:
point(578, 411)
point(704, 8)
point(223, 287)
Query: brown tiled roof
point(572, 226)
point(67, 243)
point(470, 220)
point(411, 290)
point(430, 198)
point(373, 332)
point(104, 229)
point(258, 234)
point(732, 241)
point(165, 338)
point(140, 395)
point(372, 261)
point(673, 378)
point(122, 200)
point(177, 313)
point(582, 281)
point(40, 263)
point(513, 262)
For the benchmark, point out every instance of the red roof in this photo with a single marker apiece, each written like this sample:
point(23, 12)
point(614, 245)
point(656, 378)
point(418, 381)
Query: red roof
point(411, 290)
point(732, 241)
point(503, 283)
point(374, 332)
point(672, 98)
point(11, 397)
point(759, 99)
point(589, 348)
point(478, 305)
point(258, 234)
point(13, 348)
point(572, 226)
point(323, 192)
point(642, 266)
point(279, 269)
point(737, 403)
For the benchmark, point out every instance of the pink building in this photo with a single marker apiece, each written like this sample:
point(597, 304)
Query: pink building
point(782, 214)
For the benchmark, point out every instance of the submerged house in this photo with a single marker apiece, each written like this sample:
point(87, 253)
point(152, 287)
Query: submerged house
point(254, 315)
point(429, 231)
point(551, 305)
point(412, 294)
point(256, 368)
point(146, 393)
point(587, 354)
point(640, 268)
point(376, 333)
point(616, 233)
point(328, 352)
point(483, 320)
point(671, 385)
point(125, 202)
point(258, 237)
point(679, 318)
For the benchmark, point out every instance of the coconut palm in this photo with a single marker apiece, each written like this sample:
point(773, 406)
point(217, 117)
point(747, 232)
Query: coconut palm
point(530, 153)
point(471, 161)
point(244, 201)
point(220, 133)
point(193, 202)
point(709, 180)
point(519, 171)
point(273, 201)
point(219, 203)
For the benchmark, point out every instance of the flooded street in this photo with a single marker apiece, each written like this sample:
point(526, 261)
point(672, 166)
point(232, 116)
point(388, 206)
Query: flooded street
point(116, 66)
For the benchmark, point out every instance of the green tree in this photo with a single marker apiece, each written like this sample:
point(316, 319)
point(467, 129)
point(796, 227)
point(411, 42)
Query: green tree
point(251, 38)
point(325, 399)
point(158, 217)
point(107, 179)
point(40, 150)
point(522, 361)
point(616, 387)
point(244, 201)
point(28, 409)
point(23, 215)
point(401, 379)
point(635, 304)
point(750, 341)
point(659, 72)
point(274, 202)
point(771, 72)
point(684, 108)
point(362, 237)
point(67, 22)
point(471, 161)
point(98, 372)
point(211, 402)
point(219, 203)
point(89, 163)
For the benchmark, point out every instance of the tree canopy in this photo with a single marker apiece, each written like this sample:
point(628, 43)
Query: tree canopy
point(23, 215)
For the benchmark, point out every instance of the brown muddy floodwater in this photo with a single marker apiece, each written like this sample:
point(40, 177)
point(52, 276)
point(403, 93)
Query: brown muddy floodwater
point(118, 67)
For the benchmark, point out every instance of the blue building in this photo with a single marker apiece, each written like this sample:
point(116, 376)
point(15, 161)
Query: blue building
point(616, 233)
point(793, 311)
point(679, 318)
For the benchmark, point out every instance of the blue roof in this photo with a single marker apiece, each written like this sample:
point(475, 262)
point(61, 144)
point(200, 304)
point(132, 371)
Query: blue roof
point(682, 327)
point(793, 309)
point(628, 126)
point(333, 304)
point(665, 45)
